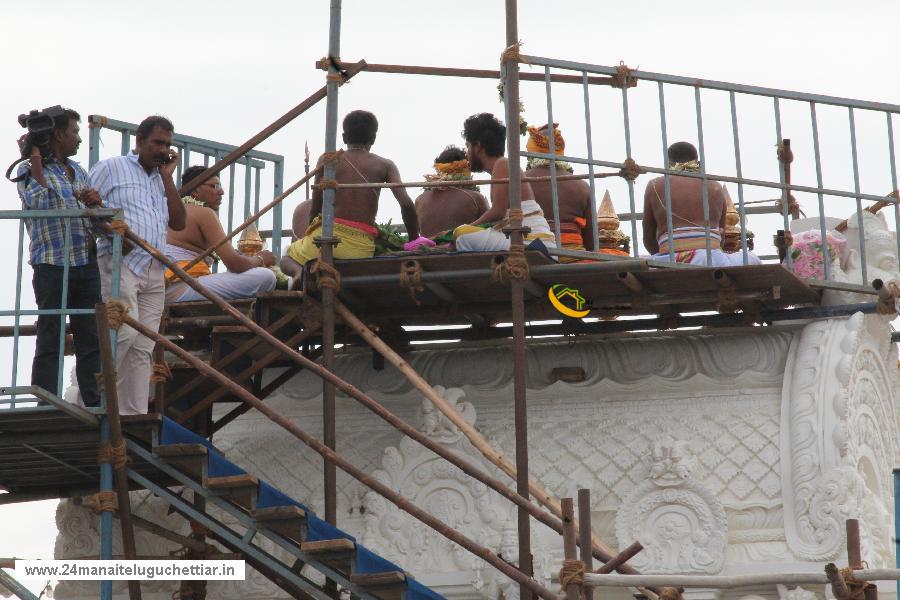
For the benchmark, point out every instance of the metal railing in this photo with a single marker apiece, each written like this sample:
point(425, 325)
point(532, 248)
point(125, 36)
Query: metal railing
point(784, 185)
point(198, 149)
point(19, 329)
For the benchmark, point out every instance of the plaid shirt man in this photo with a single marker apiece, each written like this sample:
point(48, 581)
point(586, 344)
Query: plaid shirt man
point(48, 235)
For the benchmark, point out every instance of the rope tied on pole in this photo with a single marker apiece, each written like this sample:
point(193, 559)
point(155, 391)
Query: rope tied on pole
point(623, 77)
point(888, 294)
point(512, 53)
point(630, 169)
point(116, 455)
point(793, 206)
point(326, 276)
point(855, 587)
point(101, 502)
point(334, 78)
point(330, 157)
point(572, 573)
point(671, 593)
point(162, 373)
point(326, 184)
point(411, 279)
point(514, 267)
point(116, 311)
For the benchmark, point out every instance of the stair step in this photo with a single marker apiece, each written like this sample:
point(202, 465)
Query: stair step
point(190, 458)
point(388, 585)
point(337, 554)
point(240, 488)
point(287, 521)
point(142, 427)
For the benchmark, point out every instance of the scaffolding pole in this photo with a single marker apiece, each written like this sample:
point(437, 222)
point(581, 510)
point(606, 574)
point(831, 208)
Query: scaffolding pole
point(326, 243)
point(510, 73)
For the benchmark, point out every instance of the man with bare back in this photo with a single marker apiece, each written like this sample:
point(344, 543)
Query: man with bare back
point(688, 237)
point(444, 208)
point(486, 142)
point(354, 209)
point(573, 196)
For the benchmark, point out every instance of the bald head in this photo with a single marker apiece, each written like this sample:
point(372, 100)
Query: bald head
point(682, 152)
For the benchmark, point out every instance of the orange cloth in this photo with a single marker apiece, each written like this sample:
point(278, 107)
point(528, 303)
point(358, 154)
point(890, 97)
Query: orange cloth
point(613, 252)
point(570, 233)
point(538, 141)
point(198, 270)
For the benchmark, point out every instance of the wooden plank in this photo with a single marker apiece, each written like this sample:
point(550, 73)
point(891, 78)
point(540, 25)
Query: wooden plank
point(321, 547)
point(288, 521)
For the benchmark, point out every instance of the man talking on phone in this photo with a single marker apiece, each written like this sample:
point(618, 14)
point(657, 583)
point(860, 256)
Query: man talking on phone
point(140, 183)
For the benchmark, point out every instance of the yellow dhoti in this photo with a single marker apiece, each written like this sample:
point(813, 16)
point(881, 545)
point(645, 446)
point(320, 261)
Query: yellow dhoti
point(357, 241)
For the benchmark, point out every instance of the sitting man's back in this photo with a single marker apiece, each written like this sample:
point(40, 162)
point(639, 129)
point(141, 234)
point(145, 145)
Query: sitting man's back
point(688, 237)
point(573, 196)
point(442, 209)
point(354, 209)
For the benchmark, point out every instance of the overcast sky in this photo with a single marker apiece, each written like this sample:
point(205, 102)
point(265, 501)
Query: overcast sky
point(225, 69)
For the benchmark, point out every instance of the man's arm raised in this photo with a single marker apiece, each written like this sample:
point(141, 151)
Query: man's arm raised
point(177, 215)
point(407, 208)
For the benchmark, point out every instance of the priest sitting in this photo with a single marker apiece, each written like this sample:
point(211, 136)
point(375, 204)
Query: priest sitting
point(246, 276)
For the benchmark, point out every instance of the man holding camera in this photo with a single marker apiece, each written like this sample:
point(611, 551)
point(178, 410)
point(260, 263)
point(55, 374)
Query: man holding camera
point(140, 183)
point(49, 180)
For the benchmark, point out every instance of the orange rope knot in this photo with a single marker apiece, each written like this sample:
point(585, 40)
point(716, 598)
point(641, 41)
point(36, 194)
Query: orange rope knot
point(793, 205)
point(334, 78)
point(623, 77)
point(101, 502)
point(326, 276)
point(330, 157)
point(118, 226)
point(512, 268)
point(162, 373)
point(783, 241)
point(856, 587)
point(888, 305)
point(630, 170)
point(511, 53)
point(115, 312)
point(572, 573)
point(411, 279)
point(97, 121)
point(728, 302)
point(514, 216)
point(671, 593)
point(782, 157)
point(327, 184)
point(115, 455)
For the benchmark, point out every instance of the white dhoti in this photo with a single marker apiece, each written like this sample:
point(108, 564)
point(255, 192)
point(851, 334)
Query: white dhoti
point(493, 239)
point(229, 286)
point(690, 248)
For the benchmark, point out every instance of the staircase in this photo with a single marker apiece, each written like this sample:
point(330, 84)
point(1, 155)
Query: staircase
point(260, 509)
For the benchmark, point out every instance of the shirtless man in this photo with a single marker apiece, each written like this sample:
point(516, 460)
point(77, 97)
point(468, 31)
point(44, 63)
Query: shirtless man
point(575, 215)
point(444, 208)
point(354, 209)
point(687, 214)
point(246, 276)
point(485, 143)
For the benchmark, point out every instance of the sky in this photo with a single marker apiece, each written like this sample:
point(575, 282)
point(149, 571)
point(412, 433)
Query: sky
point(223, 70)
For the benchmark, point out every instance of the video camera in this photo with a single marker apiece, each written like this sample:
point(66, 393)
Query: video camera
point(40, 125)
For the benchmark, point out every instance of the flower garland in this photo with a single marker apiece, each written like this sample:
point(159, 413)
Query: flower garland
point(534, 163)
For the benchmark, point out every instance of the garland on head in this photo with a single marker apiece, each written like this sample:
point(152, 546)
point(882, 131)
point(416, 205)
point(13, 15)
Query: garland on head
point(458, 170)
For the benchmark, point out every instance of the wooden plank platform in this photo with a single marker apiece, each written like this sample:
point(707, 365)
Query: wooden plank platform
point(604, 284)
point(51, 453)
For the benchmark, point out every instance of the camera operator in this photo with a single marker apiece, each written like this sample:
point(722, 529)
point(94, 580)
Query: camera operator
point(49, 180)
point(142, 184)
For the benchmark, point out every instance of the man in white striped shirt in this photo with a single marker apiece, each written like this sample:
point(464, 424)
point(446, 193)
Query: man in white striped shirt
point(140, 183)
